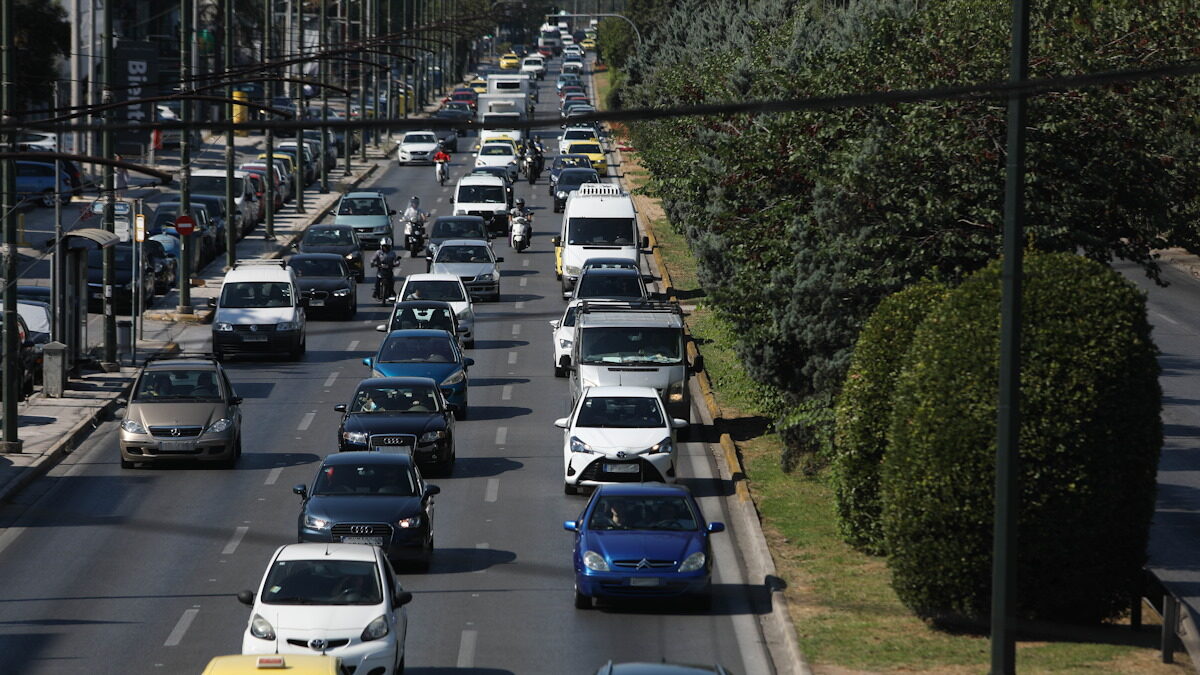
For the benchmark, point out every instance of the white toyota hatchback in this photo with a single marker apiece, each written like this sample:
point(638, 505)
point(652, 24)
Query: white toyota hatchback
point(338, 599)
point(564, 337)
point(618, 435)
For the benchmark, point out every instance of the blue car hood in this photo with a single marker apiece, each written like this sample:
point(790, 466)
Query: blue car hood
point(363, 508)
point(434, 371)
point(633, 545)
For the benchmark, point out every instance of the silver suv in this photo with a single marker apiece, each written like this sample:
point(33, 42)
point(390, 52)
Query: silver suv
point(183, 408)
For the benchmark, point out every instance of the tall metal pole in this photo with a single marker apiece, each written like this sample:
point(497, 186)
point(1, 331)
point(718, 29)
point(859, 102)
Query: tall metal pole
point(57, 277)
point(269, 171)
point(11, 385)
point(348, 134)
point(185, 156)
point(109, 362)
point(363, 70)
point(1008, 423)
point(299, 109)
point(322, 31)
point(230, 150)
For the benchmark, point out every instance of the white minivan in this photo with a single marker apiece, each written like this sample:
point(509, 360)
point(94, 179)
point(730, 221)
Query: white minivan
point(484, 196)
point(599, 220)
point(259, 310)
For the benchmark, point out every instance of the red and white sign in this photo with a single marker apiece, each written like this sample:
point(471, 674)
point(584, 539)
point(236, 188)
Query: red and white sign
point(184, 225)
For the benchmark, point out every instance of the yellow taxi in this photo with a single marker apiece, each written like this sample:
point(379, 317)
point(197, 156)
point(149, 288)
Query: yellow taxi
point(286, 158)
point(593, 151)
point(510, 61)
point(258, 664)
point(516, 145)
point(588, 44)
point(479, 85)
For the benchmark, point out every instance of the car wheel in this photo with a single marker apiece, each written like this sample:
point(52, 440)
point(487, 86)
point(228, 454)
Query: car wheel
point(496, 297)
point(559, 371)
point(48, 198)
point(400, 667)
point(461, 412)
point(582, 601)
point(469, 344)
point(569, 489)
point(126, 464)
point(230, 462)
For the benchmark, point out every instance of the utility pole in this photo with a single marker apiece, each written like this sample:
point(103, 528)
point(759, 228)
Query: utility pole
point(348, 134)
point(323, 69)
point(299, 109)
point(11, 385)
point(185, 156)
point(363, 71)
point(109, 362)
point(230, 235)
point(269, 172)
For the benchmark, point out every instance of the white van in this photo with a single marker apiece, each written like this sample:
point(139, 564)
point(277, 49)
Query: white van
point(599, 220)
point(245, 199)
point(259, 311)
point(516, 83)
point(483, 196)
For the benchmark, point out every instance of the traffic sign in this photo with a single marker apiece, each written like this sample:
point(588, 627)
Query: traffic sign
point(139, 229)
point(184, 224)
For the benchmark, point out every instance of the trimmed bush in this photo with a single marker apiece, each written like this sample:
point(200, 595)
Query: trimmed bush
point(1090, 437)
point(864, 410)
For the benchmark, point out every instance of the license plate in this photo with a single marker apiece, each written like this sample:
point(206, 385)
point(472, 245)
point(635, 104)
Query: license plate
point(316, 303)
point(621, 468)
point(254, 338)
point(174, 446)
point(371, 541)
point(645, 581)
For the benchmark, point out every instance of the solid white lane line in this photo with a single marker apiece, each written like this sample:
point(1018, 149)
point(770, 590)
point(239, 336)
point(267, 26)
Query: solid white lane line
point(501, 435)
point(185, 622)
point(353, 346)
point(516, 329)
point(306, 421)
point(506, 393)
point(235, 540)
point(522, 282)
point(466, 649)
point(329, 380)
point(512, 358)
point(273, 475)
point(492, 490)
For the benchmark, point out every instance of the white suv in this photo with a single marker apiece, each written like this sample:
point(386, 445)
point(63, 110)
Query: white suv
point(618, 435)
point(259, 310)
point(337, 599)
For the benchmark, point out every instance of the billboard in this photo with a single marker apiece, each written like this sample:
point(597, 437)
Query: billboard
point(136, 66)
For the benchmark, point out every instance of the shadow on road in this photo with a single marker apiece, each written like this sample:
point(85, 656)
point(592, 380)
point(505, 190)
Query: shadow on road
point(483, 467)
point(460, 560)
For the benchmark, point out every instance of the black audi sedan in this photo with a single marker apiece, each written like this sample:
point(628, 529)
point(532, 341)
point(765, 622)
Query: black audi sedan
point(403, 415)
point(339, 239)
point(373, 498)
point(327, 281)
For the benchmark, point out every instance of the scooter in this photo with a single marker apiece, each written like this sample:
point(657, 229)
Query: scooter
point(414, 241)
point(520, 234)
point(442, 172)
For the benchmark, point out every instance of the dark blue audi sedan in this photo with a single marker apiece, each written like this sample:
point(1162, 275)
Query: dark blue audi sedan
point(644, 540)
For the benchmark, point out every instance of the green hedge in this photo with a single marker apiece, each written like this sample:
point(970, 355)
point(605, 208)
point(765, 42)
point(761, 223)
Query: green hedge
point(864, 410)
point(1090, 437)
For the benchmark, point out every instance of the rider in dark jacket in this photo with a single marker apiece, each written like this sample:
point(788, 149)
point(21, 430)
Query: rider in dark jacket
point(385, 261)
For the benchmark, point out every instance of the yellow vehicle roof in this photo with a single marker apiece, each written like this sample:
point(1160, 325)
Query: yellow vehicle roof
point(259, 664)
point(279, 155)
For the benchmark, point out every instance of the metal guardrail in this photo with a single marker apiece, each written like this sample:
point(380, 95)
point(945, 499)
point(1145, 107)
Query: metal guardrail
point(1179, 627)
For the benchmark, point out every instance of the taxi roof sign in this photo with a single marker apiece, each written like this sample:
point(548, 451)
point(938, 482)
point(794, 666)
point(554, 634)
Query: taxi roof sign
point(268, 662)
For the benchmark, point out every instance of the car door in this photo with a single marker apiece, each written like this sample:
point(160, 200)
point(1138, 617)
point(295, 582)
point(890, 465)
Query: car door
point(232, 400)
point(397, 616)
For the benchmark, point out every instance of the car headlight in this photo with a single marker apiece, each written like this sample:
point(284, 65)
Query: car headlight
point(693, 562)
point(133, 427)
point(571, 270)
point(479, 162)
point(219, 426)
point(261, 628)
point(286, 325)
point(223, 327)
point(314, 523)
point(341, 293)
point(662, 446)
point(457, 377)
point(431, 436)
point(409, 523)
point(565, 344)
point(561, 194)
point(376, 629)
point(595, 562)
point(675, 393)
point(349, 256)
point(485, 277)
point(355, 437)
point(579, 446)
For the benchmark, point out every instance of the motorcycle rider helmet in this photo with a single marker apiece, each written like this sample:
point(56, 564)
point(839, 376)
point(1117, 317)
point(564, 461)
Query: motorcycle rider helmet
point(520, 202)
point(414, 202)
point(385, 244)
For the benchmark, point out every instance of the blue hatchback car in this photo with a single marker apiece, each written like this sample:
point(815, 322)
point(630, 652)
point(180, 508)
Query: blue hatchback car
point(644, 540)
point(425, 353)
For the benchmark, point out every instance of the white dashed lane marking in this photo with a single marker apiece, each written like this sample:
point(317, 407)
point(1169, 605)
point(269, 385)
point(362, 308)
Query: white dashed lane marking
point(353, 345)
point(512, 358)
point(185, 622)
point(273, 475)
point(236, 539)
point(506, 393)
point(492, 491)
point(306, 421)
point(466, 649)
point(329, 380)
point(501, 435)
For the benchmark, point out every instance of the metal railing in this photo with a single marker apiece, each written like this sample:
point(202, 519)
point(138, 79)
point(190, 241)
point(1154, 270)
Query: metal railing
point(1179, 627)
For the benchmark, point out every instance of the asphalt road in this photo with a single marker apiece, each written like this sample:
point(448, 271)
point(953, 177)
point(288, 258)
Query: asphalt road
point(135, 571)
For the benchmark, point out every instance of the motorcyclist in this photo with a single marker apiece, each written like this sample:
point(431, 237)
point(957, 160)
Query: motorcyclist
point(414, 214)
point(519, 211)
point(531, 162)
point(539, 158)
point(385, 261)
point(441, 159)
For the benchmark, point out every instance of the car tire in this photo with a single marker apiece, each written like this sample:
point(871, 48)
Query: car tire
point(461, 413)
point(48, 198)
point(496, 297)
point(298, 351)
point(400, 667)
point(582, 601)
point(569, 489)
point(126, 463)
point(559, 371)
point(348, 315)
point(469, 344)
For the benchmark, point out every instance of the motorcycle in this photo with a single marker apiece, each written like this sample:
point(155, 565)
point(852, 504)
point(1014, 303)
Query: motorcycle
point(442, 172)
point(521, 230)
point(414, 240)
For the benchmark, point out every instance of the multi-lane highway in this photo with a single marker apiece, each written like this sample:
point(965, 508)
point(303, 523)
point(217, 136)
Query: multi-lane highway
point(111, 570)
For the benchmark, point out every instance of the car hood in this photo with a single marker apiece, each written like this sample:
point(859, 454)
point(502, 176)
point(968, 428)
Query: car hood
point(435, 371)
point(634, 545)
point(605, 439)
point(322, 283)
point(319, 618)
point(340, 249)
point(576, 254)
point(394, 422)
point(362, 221)
point(495, 160)
point(641, 375)
point(175, 413)
point(463, 269)
point(258, 315)
point(363, 508)
point(418, 147)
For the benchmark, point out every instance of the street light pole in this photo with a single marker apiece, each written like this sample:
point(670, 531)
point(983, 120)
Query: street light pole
point(322, 31)
point(109, 362)
point(185, 157)
point(11, 355)
point(230, 235)
point(299, 109)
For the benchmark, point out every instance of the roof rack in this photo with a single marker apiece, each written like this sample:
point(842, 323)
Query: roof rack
point(248, 262)
point(663, 306)
point(599, 190)
point(208, 356)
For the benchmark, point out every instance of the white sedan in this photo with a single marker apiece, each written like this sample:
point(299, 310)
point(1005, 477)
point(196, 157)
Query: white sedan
point(446, 288)
point(500, 153)
point(339, 599)
point(416, 147)
point(618, 435)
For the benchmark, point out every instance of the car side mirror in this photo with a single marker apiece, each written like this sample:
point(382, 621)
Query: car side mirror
point(557, 241)
point(235, 400)
point(212, 302)
point(499, 260)
point(677, 423)
point(468, 362)
point(714, 528)
point(402, 598)
point(122, 401)
point(246, 597)
point(381, 328)
point(562, 422)
point(301, 489)
point(645, 242)
point(698, 364)
point(368, 361)
point(391, 212)
point(570, 526)
point(431, 490)
point(341, 407)
point(554, 324)
point(451, 199)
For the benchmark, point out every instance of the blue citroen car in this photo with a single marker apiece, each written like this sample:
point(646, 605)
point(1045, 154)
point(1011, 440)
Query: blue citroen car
point(425, 353)
point(642, 540)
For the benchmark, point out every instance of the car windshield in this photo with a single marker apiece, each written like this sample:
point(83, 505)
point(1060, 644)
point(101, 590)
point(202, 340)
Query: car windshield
point(609, 286)
point(628, 344)
point(214, 185)
point(585, 148)
point(423, 318)
point(36, 317)
point(481, 194)
point(246, 294)
point(361, 206)
point(409, 349)
point(318, 267)
point(322, 582)
point(579, 133)
point(420, 138)
point(564, 162)
point(496, 149)
point(619, 412)
point(463, 254)
point(601, 231)
point(573, 178)
point(657, 512)
point(328, 236)
point(122, 256)
point(445, 291)
point(458, 229)
point(178, 385)
point(416, 399)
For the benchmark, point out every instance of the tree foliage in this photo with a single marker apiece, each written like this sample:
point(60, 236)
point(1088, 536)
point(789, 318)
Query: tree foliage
point(42, 38)
point(1089, 440)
